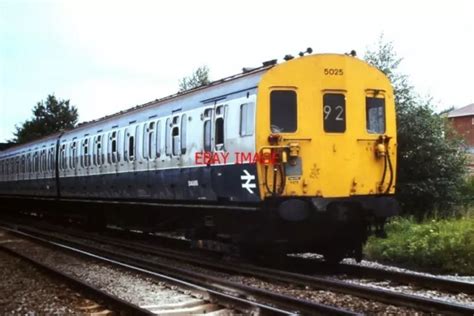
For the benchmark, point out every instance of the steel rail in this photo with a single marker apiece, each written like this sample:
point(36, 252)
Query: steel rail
point(111, 300)
point(217, 288)
point(385, 296)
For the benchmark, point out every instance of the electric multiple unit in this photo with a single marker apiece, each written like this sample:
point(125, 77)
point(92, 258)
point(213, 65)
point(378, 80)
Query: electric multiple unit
point(298, 156)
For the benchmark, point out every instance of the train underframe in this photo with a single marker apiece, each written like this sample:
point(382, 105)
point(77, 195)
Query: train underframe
point(335, 228)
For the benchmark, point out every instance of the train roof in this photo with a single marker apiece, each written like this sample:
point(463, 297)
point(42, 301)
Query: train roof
point(246, 73)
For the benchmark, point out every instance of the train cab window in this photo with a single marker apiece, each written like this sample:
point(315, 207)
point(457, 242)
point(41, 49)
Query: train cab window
point(283, 111)
point(207, 129)
point(246, 119)
point(334, 112)
point(375, 115)
point(184, 122)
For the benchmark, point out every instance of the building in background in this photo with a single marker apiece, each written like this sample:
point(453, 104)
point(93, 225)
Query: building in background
point(463, 122)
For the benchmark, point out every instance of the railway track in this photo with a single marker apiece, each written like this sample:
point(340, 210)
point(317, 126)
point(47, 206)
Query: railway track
point(312, 266)
point(388, 297)
point(111, 300)
point(238, 296)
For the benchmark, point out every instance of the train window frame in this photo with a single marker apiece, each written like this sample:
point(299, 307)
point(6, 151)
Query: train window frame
point(381, 119)
point(28, 163)
point(73, 155)
point(129, 145)
point(43, 163)
point(334, 113)
point(247, 114)
point(158, 139)
point(113, 156)
point(184, 125)
point(149, 141)
point(207, 128)
point(219, 128)
point(283, 116)
point(51, 159)
point(176, 136)
point(36, 162)
point(98, 150)
point(86, 153)
point(168, 137)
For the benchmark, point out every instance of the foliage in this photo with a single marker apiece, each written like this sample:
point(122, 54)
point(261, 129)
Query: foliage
point(50, 116)
point(199, 77)
point(445, 245)
point(467, 192)
point(431, 167)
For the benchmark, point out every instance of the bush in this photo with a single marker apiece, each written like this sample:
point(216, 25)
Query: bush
point(445, 246)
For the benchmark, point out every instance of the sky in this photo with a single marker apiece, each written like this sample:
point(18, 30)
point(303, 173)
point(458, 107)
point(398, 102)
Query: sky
point(106, 56)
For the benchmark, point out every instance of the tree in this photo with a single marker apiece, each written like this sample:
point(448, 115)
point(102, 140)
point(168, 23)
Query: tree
point(50, 116)
point(200, 77)
point(431, 166)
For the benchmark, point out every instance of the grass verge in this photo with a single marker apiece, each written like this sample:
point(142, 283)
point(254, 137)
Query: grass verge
point(440, 245)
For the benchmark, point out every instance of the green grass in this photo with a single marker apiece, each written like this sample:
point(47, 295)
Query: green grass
point(441, 245)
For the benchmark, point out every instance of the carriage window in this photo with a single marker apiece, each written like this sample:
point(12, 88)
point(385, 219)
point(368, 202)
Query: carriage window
point(175, 137)
point(207, 129)
point(98, 151)
point(51, 159)
point(113, 156)
point(43, 160)
point(158, 139)
point(85, 158)
point(184, 122)
point(129, 146)
point(168, 136)
point(219, 128)
point(334, 112)
point(246, 119)
point(219, 133)
point(28, 163)
point(36, 159)
point(149, 142)
point(73, 155)
point(62, 157)
point(375, 112)
point(283, 111)
point(207, 135)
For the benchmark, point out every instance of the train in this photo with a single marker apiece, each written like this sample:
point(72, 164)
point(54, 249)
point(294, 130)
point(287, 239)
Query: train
point(296, 156)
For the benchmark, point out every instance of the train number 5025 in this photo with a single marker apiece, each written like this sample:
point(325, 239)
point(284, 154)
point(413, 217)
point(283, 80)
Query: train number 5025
point(333, 71)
